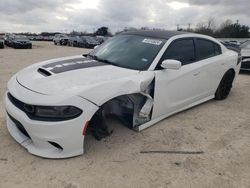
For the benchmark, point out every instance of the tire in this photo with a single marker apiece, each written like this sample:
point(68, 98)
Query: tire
point(55, 43)
point(225, 86)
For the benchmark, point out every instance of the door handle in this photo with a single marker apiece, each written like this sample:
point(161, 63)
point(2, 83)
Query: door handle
point(196, 74)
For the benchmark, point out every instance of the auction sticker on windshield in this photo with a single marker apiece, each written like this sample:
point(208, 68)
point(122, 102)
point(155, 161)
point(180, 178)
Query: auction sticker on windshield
point(152, 41)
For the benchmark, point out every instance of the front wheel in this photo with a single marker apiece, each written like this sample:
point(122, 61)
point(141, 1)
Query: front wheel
point(225, 86)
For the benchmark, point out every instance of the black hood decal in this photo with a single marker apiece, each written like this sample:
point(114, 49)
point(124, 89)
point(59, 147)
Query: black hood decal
point(63, 66)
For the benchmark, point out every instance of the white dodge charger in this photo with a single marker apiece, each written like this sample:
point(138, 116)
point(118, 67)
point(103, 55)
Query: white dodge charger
point(140, 77)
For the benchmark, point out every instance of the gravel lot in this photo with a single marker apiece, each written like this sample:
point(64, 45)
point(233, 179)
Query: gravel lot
point(221, 129)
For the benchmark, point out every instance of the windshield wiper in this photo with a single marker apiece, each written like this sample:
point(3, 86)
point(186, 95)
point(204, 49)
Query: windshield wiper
point(102, 60)
point(107, 61)
point(92, 56)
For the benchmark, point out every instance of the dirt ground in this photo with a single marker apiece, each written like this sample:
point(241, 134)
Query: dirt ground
point(221, 129)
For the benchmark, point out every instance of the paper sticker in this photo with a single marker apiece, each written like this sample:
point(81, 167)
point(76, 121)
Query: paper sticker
point(152, 41)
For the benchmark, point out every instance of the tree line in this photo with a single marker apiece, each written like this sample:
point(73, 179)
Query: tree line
point(227, 29)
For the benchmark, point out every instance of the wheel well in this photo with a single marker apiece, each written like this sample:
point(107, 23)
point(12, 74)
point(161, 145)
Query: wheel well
point(233, 71)
point(131, 109)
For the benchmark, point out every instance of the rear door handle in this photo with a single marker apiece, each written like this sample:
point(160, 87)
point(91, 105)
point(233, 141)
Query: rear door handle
point(196, 74)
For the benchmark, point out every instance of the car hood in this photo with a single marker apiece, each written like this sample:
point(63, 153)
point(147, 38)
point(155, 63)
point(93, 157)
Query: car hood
point(72, 74)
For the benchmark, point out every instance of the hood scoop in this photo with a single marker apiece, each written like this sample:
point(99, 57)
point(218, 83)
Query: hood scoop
point(44, 72)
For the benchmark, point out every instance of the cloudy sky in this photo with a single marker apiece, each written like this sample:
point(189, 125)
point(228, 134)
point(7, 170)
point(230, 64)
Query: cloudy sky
point(88, 15)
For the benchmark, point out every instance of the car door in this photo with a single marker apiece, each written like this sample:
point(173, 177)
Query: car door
point(176, 89)
point(212, 65)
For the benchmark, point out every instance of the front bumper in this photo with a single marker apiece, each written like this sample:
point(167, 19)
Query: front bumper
point(22, 45)
point(64, 41)
point(42, 137)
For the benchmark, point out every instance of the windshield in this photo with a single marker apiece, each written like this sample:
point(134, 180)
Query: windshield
point(129, 51)
point(246, 45)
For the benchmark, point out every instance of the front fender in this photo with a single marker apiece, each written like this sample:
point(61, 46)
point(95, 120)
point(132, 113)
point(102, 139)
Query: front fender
point(101, 93)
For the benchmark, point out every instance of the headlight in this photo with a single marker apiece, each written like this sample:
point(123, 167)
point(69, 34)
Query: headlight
point(53, 113)
point(46, 113)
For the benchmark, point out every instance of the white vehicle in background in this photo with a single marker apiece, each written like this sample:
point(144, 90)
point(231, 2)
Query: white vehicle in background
point(245, 52)
point(140, 77)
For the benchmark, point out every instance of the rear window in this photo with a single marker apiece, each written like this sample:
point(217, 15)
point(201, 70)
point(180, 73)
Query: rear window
point(207, 49)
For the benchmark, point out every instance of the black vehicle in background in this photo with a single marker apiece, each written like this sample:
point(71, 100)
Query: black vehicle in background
point(20, 41)
point(1, 42)
point(8, 39)
point(17, 41)
point(88, 42)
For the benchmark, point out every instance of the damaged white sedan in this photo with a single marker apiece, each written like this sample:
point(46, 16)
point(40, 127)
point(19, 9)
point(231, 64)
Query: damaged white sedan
point(140, 77)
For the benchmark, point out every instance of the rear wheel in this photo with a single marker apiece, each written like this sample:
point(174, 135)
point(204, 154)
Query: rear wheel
point(225, 86)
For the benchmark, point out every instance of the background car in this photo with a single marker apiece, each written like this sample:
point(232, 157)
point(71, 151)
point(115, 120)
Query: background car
point(100, 39)
point(74, 41)
point(1, 42)
point(245, 52)
point(232, 46)
point(8, 39)
point(61, 39)
point(21, 41)
point(88, 42)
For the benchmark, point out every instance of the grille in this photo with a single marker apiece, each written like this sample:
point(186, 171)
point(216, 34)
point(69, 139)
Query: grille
point(19, 126)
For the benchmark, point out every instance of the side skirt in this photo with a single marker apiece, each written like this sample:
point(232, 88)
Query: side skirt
point(152, 122)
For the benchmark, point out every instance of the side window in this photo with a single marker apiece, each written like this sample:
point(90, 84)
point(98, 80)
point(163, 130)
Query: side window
point(217, 49)
point(207, 49)
point(182, 50)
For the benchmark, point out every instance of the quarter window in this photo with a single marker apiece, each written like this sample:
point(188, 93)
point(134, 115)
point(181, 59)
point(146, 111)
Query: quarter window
point(207, 49)
point(181, 50)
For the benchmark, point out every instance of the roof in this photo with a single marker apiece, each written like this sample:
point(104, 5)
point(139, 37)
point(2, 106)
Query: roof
point(162, 34)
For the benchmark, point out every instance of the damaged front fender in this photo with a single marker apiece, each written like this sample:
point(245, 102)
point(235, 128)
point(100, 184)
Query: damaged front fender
point(105, 91)
point(130, 99)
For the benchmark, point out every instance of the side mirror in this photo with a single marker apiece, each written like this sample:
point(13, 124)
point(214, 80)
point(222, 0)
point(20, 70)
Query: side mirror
point(171, 64)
